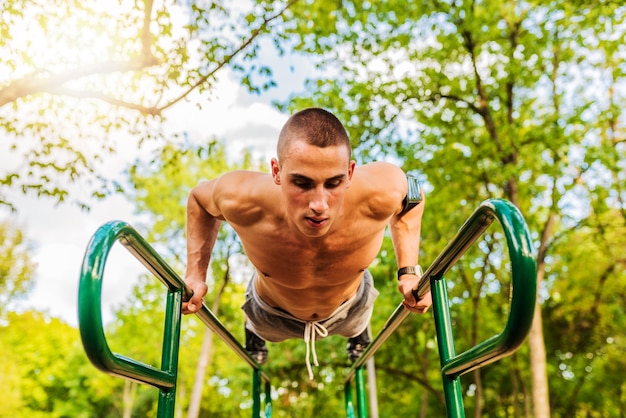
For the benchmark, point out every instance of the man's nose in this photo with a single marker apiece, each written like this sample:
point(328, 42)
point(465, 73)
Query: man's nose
point(319, 201)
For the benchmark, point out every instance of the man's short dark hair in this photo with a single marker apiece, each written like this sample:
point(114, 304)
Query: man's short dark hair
point(316, 127)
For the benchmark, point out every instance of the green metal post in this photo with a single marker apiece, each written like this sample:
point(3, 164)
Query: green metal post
point(169, 358)
point(268, 400)
point(347, 388)
point(256, 394)
point(445, 340)
point(90, 314)
point(361, 398)
point(92, 330)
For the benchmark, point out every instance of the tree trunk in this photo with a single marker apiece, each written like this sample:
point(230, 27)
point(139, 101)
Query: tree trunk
point(181, 394)
point(203, 363)
point(371, 382)
point(205, 356)
point(478, 381)
point(130, 393)
point(538, 363)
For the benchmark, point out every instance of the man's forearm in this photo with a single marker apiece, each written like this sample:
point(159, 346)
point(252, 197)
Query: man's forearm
point(405, 236)
point(202, 230)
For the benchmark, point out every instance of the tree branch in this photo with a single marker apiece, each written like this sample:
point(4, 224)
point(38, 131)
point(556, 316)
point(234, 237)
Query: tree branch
point(230, 57)
point(457, 99)
point(32, 85)
point(88, 94)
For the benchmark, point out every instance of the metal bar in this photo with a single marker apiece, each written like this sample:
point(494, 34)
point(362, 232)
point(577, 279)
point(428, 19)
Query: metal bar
point(522, 300)
point(90, 313)
point(268, 400)
point(445, 342)
point(169, 357)
point(347, 389)
point(523, 284)
point(149, 258)
point(361, 397)
point(256, 394)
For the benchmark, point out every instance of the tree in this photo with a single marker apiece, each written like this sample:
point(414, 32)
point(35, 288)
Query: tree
point(483, 99)
point(16, 268)
point(46, 371)
point(82, 78)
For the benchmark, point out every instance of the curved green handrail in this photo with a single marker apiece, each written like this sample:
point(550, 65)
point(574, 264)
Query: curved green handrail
point(91, 325)
point(522, 301)
point(90, 303)
point(523, 283)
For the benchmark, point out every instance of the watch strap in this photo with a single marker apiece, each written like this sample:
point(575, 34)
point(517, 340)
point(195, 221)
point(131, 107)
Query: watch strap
point(414, 270)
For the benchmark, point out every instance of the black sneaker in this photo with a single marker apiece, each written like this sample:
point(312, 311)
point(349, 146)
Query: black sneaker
point(357, 345)
point(255, 346)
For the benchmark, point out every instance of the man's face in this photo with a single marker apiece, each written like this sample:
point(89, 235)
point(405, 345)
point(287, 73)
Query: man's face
point(314, 182)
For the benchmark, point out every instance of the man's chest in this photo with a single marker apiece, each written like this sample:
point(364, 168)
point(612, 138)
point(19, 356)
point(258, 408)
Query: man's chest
point(276, 252)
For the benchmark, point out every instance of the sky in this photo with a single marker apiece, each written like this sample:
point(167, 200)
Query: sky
point(60, 233)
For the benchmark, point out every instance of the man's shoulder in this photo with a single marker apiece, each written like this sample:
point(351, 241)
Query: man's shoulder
point(382, 185)
point(241, 192)
point(242, 183)
point(381, 175)
point(244, 176)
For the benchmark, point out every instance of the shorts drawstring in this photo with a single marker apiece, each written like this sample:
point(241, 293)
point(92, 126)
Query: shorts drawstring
point(310, 329)
point(261, 315)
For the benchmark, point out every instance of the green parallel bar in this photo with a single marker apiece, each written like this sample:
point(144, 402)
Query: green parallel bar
point(445, 341)
point(347, 388)
point(256, 394)
point(522, 302)
point(90, 314)
point(268, 400)
point(169, 358)
point(361, 397)
point(523, 288)
point(91, 326)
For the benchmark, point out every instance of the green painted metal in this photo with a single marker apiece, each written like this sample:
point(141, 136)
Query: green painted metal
point(445, 341)
point(522, 302)
point(523, 284)
point(268, 400)
point(347, 389)
point(90, 315)
point(361, 395)
point(257, 378)
point(256, 394)
point(91, 326)
point(523, 297)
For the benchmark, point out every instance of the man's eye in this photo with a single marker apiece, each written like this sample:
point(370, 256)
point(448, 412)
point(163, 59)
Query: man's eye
point(333, 184)
point(302, 184)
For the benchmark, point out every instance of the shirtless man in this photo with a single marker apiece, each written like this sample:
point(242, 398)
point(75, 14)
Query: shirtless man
point(311, 228)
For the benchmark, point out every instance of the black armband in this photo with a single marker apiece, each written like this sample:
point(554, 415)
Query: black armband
point(413, 196)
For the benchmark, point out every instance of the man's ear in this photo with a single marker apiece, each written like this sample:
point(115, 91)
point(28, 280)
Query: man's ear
point(275, 167)
point(351, 171)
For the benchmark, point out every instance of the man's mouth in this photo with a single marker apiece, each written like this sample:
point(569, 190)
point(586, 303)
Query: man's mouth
point(316, 221)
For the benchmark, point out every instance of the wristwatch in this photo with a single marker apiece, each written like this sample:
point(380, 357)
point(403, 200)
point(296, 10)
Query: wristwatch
point(415, 270)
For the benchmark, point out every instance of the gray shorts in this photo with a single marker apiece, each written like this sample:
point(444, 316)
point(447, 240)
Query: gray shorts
point(275, 325)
